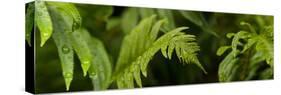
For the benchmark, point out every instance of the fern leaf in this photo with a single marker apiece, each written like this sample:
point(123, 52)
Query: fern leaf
point(194, 17)
point(65, 51)
point(63, 43)
point(228, 67)
point(43, 21)
point(100, 69)
point(72, 19)
point(222, 49)
point(139, 47)
point(266, 48)
point(146, 12)
point(198, 19)
point(90, 51)
point(254, 48)
point(236, 41)
point(167, 14)
point(129, 20)
point(29, 18)
point(71, 10)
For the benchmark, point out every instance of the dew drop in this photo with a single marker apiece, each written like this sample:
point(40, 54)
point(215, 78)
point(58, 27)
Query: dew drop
point(68, 75)
point(65, 49)
point(75, 26)
point(86, 62)
point(45, 34)
point(92, 74)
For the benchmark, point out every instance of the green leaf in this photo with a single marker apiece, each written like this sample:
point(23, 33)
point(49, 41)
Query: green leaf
point(222, 49)
point(70, 10)
point(253, 49)
point(265, 46)
point(228, 68)
point(113, 23)
point(194, 17)
point(129, 20)
point(146, 12)
point(236, 41)
point(73, 20)
point(65, 51)
point(82, 49)
point(167, 14)
point(29, 22)
point(63, 43)
point(100, 69)
point(139, 47)
point(43, 21)
point(198, 19)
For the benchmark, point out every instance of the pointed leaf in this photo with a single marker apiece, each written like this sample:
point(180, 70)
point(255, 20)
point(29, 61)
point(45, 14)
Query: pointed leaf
point(43, 21)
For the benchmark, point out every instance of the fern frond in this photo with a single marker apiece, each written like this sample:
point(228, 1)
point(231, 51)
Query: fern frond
point(257, 45)
point(139, 47)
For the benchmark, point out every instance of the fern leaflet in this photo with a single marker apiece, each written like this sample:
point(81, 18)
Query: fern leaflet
point(139, 47)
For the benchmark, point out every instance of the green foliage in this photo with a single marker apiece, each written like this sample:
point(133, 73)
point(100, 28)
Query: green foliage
point(198, 19)
point(43, 21)
point(114, 45)
point(129, 20)
point(100, 70)
point(248, 50)
point(29, 18)
point(69, 37)
point(139, 47)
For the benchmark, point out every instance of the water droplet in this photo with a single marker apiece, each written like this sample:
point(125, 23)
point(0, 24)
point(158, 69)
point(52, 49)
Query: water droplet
point(65, 49)
point(68, 75)
point(86, 62)
point(75, 26)
point(92, 74)
point(45, 34)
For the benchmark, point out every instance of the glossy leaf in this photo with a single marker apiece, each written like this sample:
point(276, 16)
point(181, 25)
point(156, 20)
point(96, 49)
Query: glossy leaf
point(43, 21)
point(100, 69)
point(71, 10)
point(63, 43)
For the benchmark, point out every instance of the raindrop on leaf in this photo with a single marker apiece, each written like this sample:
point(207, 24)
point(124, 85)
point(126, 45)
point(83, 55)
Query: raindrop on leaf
point(65, 49)
point(75, 26)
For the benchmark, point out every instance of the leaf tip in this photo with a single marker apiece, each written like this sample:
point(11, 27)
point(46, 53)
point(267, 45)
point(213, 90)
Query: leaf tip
point(85, 68)
point(67, 83)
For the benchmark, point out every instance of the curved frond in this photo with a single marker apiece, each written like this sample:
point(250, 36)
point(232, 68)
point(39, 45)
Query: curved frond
point(257, 45)
point(139, 47)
